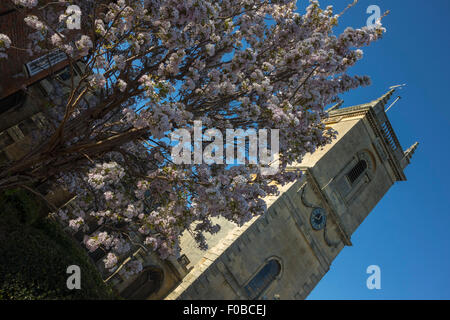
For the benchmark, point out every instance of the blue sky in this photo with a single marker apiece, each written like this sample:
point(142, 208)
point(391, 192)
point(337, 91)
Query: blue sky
point(408, 233)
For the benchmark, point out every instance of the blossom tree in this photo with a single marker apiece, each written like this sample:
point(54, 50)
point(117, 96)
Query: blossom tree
point(153, 66)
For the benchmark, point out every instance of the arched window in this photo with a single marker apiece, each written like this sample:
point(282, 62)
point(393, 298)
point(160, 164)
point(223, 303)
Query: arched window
point(261, 281)
point(148, 282)
point(352, 179)
point(357, 171)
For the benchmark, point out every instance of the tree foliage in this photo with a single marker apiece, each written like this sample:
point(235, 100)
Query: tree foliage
point(153, 66)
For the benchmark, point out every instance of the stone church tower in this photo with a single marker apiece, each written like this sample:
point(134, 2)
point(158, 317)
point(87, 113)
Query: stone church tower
point(286, 252)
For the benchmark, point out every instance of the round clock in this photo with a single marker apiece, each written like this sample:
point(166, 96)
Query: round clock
point(318, 218)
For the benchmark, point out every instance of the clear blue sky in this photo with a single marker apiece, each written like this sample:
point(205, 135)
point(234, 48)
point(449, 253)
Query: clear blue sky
point(408, 233)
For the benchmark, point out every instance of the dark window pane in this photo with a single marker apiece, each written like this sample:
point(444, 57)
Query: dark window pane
point(13, 101)
point(65, 74)
point(97, 254)
point(5, 139)
point(3, 157)
point(148, 282)
point(27, 126)
point(263, 279)
point(357, 171)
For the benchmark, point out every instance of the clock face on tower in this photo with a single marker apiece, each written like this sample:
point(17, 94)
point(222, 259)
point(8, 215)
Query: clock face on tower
point(318, 218)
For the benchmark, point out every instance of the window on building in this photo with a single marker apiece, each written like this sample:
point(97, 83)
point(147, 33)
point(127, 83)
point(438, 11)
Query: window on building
point(3, 158)
point(13, 101)
point(261, 281)
point(77, 69)
point(5, 139)
point(97, 254)
point(357, 171)
point(65, 74)
point(148, 282)
point(27, 126)
point(183, 260)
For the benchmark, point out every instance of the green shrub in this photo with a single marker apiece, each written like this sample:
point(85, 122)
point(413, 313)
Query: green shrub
point(35, 253)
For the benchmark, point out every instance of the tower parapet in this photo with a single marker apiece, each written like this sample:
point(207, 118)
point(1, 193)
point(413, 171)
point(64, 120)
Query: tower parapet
point(387, 143)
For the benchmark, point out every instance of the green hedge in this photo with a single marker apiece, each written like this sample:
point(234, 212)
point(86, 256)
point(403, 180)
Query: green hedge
point(35, 253)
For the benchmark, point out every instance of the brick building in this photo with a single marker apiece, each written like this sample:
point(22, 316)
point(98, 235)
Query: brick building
point(20, 69)
point(20, 114)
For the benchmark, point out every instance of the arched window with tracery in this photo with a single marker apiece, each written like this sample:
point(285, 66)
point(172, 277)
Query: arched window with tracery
point(263, 278)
